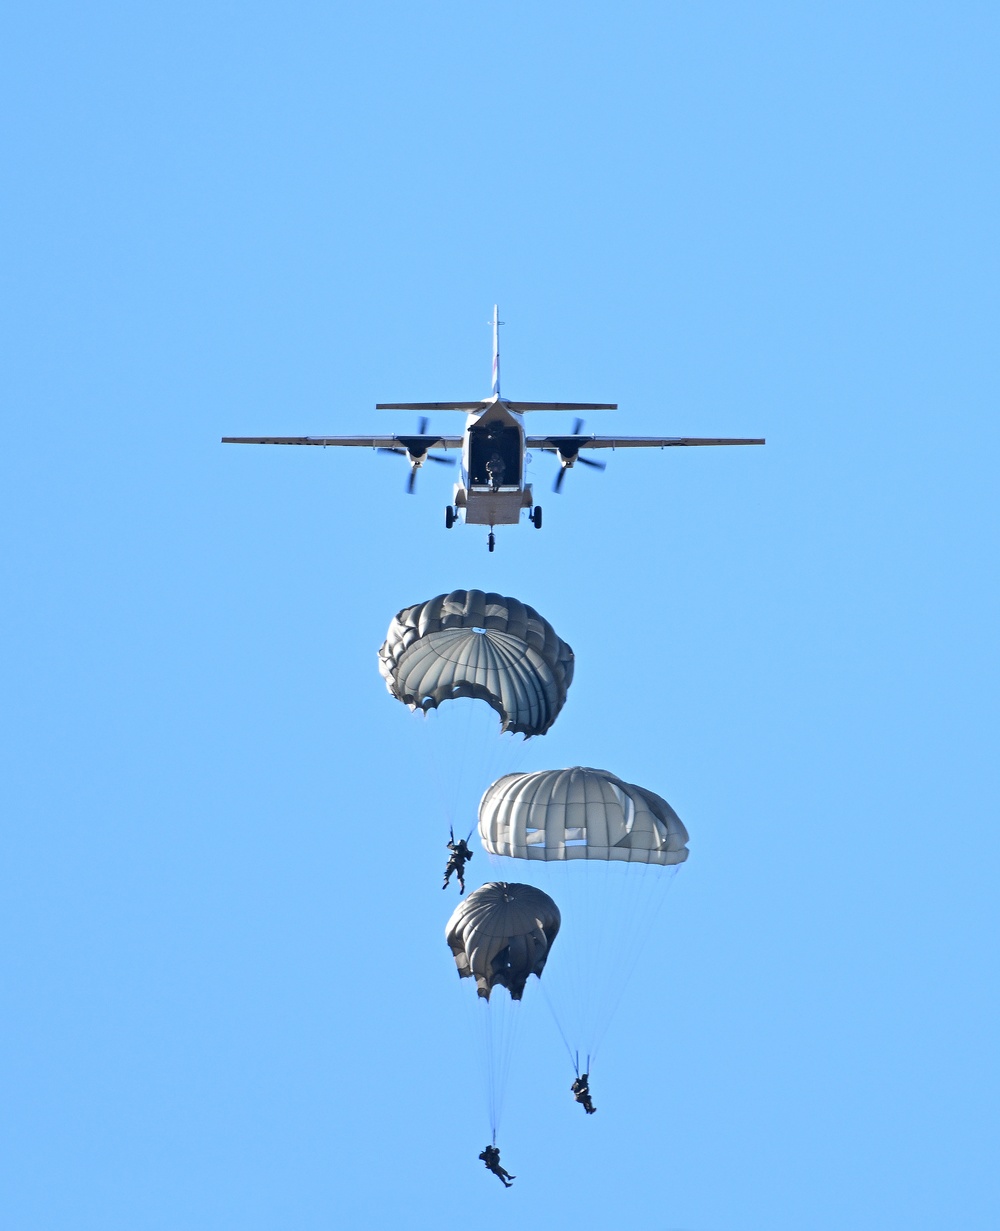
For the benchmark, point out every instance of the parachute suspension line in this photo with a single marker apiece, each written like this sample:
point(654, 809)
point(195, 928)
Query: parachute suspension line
point(602, 905)
point(497, 1028)
point(451, 754)
point(433, 756)
point(511, 1020)
point(604, 956)
point(583, 962)
point(454, 748)
point(506, 1052)
point(491, 1050)
point(606, 923)
point(630, 905)
point(454, 755)
point(562, 1033)
point(466, 750)
point(653, 888)
point(574, 962)
point(633, 911)
point(484, 1039)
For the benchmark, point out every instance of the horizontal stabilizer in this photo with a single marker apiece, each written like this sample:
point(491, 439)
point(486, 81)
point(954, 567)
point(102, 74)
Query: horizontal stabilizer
point(432, 405)
point(521, 407)
point(518, 407)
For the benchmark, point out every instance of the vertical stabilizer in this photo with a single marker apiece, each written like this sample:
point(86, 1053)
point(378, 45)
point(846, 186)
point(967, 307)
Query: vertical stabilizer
point(496, 351)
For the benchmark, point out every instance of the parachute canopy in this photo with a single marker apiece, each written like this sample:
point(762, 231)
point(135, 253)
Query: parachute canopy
point(501, 933)
point(471, 644)
point(579, 813)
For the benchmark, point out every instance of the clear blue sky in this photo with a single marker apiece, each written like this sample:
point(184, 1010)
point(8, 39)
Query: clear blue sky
point(228, 1000)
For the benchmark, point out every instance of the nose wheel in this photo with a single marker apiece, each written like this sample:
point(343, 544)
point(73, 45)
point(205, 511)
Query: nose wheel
point(491, 542)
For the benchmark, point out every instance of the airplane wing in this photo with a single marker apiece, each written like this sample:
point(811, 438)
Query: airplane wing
point(519, 407)
point(415, 444)
point(572, 444)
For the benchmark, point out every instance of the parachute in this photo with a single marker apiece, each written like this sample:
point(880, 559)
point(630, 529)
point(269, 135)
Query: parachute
point(471, 644)
point(502, 933)
point(499, 935)
point(608, 849)
point(579, 813)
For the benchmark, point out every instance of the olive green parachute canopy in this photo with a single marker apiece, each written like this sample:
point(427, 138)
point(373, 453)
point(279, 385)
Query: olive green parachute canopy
point(579, 813)
point(500, 934)
point(471, 644)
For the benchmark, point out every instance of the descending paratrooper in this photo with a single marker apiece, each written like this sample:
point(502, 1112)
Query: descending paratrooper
point(581, 1092)
point(458, 857)
point(491, 1158)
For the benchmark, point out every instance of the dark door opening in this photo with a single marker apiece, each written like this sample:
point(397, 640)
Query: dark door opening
point(494, 452)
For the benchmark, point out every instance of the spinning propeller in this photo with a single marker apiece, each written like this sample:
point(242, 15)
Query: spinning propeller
point(568, 448)
point(414, 449)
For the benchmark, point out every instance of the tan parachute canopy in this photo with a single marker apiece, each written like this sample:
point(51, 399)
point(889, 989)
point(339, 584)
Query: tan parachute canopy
point(471, 644)
point(500, 934)
point(579, 813)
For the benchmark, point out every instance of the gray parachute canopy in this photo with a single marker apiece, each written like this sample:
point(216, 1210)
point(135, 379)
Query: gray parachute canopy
point(579, 813)
point(471, 644)
point(501, 933)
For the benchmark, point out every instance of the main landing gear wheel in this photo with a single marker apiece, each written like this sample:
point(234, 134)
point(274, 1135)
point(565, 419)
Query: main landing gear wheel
point(536, 516)
point(449, 517)
point(491, 542)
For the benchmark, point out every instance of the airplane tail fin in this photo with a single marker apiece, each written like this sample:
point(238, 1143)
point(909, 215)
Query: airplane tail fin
point(496, 351)
point(519, 407)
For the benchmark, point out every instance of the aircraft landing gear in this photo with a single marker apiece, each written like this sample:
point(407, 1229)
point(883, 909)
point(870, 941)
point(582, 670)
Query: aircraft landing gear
point(449, 517)
point(491, 542)
point(536, 517)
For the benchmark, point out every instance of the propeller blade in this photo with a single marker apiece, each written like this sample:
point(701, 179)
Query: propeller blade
point(557, 485)
point(577, 426)
point(413, 451)
point(585, 461)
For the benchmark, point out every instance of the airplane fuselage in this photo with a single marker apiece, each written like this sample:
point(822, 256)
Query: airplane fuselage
point(492, 489)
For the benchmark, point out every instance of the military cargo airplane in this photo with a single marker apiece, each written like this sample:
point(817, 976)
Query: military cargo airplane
point(491, 490)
